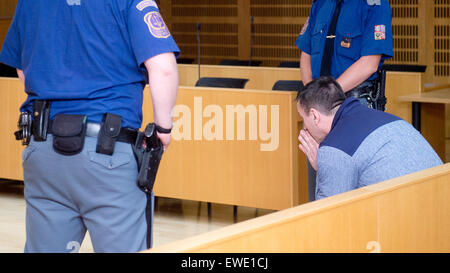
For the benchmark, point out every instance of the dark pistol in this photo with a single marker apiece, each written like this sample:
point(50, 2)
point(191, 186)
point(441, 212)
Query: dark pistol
point(148, 151)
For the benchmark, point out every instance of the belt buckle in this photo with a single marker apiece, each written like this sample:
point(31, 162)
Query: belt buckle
point(92, 129)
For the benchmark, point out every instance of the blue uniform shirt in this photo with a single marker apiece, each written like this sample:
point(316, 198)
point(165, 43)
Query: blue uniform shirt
point(363, 28)
point(87, 56)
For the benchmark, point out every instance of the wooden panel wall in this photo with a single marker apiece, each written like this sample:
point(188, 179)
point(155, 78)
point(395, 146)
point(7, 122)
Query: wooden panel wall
point(421, 31)
point(405, 214)
point(441, 49)
point(4, 26)
point(7, 8)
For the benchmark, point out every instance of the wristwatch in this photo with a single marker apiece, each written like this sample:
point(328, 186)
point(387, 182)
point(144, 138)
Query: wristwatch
point(162, 130)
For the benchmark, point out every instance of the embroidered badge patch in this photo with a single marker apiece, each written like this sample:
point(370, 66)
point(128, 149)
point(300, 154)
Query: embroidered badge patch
point(380, 32)
point(305, 27)
point(146, 3)
point(156, 25)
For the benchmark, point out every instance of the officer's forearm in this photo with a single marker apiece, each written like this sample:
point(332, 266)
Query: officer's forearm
point(359, 72)
point(21, 75)
point(305, 68)
point(163, 83)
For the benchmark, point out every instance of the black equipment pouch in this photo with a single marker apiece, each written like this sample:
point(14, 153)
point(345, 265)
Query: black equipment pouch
point(68, 133)
point(109, 133)
point(148, 151)
point(41, 113)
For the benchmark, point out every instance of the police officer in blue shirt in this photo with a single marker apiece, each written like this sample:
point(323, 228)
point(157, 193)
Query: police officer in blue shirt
point(348, 40)
point(85, 63)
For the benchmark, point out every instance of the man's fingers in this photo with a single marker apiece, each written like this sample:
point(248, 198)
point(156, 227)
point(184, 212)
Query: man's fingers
point(309, 139)
point(303, 143)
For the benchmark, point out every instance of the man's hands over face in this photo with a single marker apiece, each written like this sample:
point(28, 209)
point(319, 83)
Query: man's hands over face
point(309, 146)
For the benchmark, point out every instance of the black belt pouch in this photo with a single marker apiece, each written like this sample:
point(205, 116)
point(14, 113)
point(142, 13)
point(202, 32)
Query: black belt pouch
point(109, 133)
point(69, 132)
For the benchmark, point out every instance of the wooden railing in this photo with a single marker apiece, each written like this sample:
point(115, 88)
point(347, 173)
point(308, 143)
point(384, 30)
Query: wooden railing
point(405, 214)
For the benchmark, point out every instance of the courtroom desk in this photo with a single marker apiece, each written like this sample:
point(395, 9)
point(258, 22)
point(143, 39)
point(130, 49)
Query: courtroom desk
point(227, 157)
point(428, 112)
point(12, 96)
point(203, 164)
point(219, 153)
point(260, 78)
point(263, 78)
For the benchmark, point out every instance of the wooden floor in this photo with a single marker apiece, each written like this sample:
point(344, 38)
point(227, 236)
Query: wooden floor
point(174, 219)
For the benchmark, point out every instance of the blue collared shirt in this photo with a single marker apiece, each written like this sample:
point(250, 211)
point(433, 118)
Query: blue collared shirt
point(363, 28)
point(87, 56)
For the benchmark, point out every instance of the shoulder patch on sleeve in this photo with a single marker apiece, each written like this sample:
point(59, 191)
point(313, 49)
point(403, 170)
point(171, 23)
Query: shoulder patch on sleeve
point(145, 4)
point(380, 32)
point(156, 25)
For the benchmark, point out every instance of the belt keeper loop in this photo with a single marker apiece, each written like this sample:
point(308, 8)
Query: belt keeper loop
point(109, 133)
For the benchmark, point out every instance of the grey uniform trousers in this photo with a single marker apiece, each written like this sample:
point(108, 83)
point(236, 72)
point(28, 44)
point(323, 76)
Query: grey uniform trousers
point(67, 195)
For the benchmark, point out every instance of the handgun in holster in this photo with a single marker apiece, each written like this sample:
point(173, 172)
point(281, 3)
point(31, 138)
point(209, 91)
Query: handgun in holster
point(375, 96)
point(371, 93)
point(381, 86)
point(148, 151)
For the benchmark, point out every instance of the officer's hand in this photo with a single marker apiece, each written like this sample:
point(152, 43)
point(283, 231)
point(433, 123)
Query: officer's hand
point(309, 146)
point(165, 139)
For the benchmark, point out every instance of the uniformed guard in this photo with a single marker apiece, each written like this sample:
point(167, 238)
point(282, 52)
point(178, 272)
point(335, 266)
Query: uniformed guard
point(84, 65)
point(348, 40)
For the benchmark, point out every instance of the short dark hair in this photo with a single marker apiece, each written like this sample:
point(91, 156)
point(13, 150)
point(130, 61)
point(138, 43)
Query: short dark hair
point(323, 93)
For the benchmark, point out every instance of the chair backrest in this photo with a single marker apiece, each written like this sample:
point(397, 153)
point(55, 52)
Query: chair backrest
point(185, 61)
point(240, 62)
point(222, 82)
point(7, 71)
point(289, 64)
point(284, 85)
point(404, 67)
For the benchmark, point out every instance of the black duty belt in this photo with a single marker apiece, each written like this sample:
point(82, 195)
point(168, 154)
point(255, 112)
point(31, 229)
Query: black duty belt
point(93, 129)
